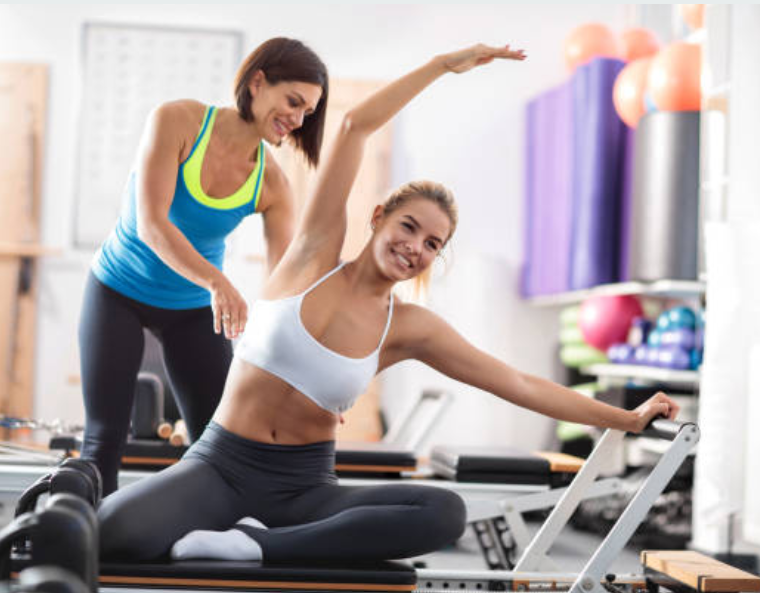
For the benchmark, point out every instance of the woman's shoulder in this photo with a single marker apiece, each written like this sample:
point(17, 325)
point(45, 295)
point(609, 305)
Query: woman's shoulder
point(273, 174)
point(413, 327)
point(180, 113)
point(411, 318)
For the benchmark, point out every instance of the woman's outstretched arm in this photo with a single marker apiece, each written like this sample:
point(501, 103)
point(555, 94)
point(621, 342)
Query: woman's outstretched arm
point(431, 340)
point(323, 225)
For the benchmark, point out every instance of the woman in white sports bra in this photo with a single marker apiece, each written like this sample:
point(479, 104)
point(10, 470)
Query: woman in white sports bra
point(260, 483)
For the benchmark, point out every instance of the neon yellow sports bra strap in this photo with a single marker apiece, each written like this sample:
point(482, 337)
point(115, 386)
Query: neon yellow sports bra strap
point(250, 190)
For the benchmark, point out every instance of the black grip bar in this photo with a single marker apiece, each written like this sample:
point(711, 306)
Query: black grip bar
point(661, 428)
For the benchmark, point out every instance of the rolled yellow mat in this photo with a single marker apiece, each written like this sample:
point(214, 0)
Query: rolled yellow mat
point(571, 335)
point(570, 315)
point(580, 355)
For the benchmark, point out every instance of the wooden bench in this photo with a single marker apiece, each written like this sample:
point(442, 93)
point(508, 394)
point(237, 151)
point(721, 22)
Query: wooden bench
point(696, 571)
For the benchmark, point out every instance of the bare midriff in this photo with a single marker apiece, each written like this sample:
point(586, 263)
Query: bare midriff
point(261, 407)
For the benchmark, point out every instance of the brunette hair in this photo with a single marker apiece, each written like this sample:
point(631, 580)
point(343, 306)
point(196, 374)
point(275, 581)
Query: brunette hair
point(282, 59)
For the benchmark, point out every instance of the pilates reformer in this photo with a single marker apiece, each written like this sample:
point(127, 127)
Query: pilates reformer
point(63, 537)
point(672, 570)
point(496, 504)
point(499, 486)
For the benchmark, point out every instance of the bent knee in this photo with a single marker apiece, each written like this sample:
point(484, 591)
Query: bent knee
point(123, 538)
point(449, 515)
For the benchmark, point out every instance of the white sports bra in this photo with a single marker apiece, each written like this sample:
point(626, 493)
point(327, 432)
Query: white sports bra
point(276, 340)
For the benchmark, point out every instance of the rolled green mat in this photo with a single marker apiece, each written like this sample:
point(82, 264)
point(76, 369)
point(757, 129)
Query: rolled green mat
point(570, 315)
point(569, 431)
point(571, 335)
point(587, 389)
point(580, 355)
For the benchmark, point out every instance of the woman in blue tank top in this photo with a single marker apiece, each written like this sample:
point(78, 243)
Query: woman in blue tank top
point(260, 483)
point(199, 171)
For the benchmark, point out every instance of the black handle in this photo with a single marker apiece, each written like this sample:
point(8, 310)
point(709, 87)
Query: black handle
point(661, 428)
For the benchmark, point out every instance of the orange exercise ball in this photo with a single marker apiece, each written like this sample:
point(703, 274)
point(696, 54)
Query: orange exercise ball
point(693, 15)
point(592, 40)
point(674, 78)
point(639, 43)
point(628, 92)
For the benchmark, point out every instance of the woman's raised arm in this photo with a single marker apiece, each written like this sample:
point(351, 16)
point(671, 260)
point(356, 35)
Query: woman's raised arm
point(429, 339)
point(322, 227)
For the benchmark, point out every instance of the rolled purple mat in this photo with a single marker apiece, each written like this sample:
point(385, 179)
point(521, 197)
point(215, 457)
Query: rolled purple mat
point(548, 192)
point(601, 139)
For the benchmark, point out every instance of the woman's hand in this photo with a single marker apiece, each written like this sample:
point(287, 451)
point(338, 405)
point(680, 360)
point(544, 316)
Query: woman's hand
point(659, 405)
point(229, 307)
point(466, 59)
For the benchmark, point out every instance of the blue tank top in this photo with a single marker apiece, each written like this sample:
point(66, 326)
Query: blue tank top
point(127, 265)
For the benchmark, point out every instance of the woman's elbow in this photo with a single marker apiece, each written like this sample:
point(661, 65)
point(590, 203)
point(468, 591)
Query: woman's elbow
point(348, 123)
point(353, 125)
point(147, 230)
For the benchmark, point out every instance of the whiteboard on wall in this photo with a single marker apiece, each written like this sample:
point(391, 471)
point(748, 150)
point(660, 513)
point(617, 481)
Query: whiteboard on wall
point(129, 70)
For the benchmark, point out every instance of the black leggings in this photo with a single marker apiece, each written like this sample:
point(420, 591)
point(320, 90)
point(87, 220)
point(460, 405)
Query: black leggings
point(111, 344)
point(292, 489)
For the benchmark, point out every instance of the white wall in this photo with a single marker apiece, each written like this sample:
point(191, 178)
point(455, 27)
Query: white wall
point(727, 475)
point(465, 131)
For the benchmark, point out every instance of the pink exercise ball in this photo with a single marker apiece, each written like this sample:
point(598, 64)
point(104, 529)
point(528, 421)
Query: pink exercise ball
point(628, 92)
point(589, 41)
point(693, 15)
point(605, 320)
point(674, 78)
point(639, 43)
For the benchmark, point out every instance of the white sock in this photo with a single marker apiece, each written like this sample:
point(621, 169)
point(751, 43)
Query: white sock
point(232, 544)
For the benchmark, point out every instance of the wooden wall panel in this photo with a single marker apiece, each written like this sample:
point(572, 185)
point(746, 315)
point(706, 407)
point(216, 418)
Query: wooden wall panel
point(23, 99)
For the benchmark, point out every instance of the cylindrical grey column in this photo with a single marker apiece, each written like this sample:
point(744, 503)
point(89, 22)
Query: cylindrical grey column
point(665, 210)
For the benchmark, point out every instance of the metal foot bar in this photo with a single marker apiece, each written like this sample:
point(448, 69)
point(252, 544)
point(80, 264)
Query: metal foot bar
point(684, 437)
point(534, 556)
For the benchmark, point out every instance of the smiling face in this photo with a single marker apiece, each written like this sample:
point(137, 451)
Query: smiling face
point(279, 109)
point(407, 240)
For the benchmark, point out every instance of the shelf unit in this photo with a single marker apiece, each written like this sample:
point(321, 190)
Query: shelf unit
point(616, 373)
point(674, 289)
point(624, 372)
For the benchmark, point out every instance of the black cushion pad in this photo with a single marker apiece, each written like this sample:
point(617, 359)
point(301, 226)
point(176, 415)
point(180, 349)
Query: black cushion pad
point(490, 459)
point(358, 453)
point(390, 573)
point(373, 454)
point(493, 477)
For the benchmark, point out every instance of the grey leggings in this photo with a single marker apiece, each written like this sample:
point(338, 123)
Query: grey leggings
point(292, 489)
